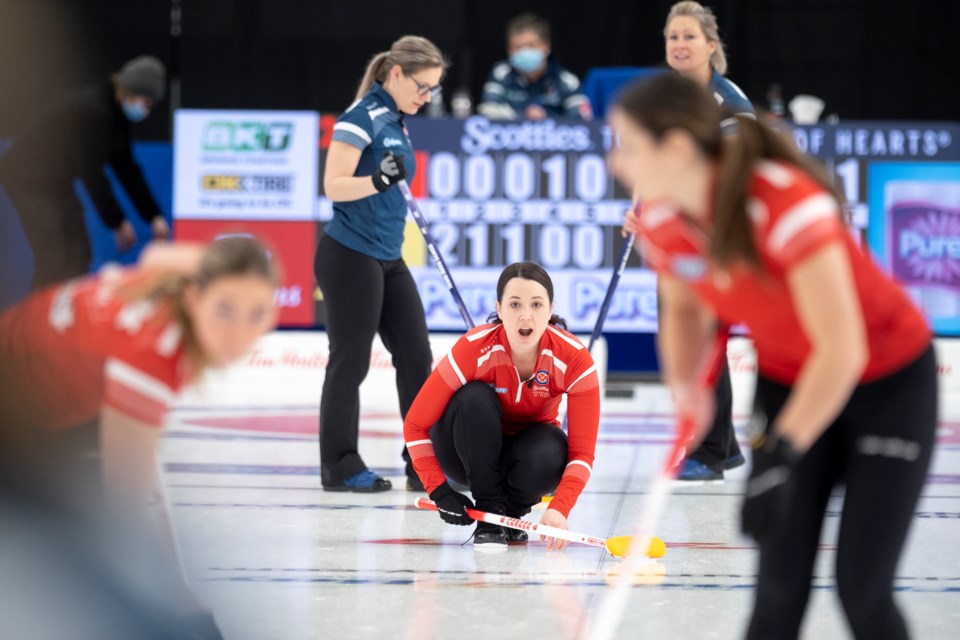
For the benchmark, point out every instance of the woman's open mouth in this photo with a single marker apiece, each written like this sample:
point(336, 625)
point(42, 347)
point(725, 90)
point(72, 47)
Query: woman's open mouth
point(526, 333)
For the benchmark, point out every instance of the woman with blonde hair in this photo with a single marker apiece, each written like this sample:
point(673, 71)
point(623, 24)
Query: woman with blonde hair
point(694, 50)
point(366, 286)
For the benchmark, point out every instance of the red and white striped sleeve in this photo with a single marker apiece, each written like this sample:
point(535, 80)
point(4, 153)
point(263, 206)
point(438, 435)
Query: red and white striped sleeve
point(660, 233)
point(798, 217)
point(583, 411)
point(137, 393)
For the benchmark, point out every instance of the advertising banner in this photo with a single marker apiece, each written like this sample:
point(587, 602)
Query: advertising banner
point(577, 297)
point(292, 243)
point(287, 368)
point(500, 192)
point(915, 233)
point(245, 165)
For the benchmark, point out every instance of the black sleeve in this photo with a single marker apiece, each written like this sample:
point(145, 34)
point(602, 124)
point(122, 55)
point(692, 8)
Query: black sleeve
point(131, 177)
point(93, 124)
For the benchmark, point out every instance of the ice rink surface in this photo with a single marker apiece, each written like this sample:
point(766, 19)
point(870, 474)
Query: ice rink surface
point(278, 559)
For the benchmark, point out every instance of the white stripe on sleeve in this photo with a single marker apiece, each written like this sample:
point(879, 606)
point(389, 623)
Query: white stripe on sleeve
point(354, 129)
point(581, 462)
point(456, 369)
point(813, 209)
point(583, 375)
point(139, 381)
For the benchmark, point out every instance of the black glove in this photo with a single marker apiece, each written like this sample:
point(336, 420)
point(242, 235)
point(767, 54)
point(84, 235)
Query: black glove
point(451, 505)
point(391, 172)
point(770, 487)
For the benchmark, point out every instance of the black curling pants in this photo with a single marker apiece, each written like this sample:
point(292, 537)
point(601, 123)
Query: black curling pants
point(879, 448)
point(506, 473)
point(363, 297)
point(721, 441)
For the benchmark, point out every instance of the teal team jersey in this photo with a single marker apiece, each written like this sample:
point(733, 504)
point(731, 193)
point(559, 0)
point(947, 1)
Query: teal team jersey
point(373, 225)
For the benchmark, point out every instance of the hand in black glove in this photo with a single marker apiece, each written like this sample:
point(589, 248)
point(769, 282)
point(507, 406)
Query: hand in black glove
point(391, 172)
point(770, 487)
point(451, 505)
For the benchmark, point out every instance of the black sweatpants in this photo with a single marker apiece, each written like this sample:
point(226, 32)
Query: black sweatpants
point(721, 441)
point(364, 296)
point(879, 448)
point(506, 473)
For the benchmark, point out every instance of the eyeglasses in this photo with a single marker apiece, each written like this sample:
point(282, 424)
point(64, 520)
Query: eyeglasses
point(424, 89)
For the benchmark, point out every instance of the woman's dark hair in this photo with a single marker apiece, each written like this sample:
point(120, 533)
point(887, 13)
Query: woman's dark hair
point(527, 271)
point(671, 101)
point(529, 22)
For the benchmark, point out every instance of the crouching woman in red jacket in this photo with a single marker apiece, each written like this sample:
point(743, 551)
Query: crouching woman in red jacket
point(487, 416)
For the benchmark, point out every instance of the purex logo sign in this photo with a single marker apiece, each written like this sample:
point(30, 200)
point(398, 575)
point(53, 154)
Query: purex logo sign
point(247, 136)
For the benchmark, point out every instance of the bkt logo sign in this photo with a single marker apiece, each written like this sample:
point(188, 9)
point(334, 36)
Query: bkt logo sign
point(247, 136)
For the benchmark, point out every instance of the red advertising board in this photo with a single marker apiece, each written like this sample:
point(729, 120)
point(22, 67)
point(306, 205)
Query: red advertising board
point(293, 244)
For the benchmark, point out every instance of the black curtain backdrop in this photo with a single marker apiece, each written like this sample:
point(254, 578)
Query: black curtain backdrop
point(866, 59)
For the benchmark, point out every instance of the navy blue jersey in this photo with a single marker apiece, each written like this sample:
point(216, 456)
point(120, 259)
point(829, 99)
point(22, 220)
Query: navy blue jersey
point(730, 96)
point(373, 225)
point(508, 93)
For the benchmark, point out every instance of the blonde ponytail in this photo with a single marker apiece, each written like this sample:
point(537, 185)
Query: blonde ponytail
point(376, 72)
point(410, 53)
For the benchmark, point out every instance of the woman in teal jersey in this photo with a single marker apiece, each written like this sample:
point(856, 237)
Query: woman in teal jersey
point(366, 286)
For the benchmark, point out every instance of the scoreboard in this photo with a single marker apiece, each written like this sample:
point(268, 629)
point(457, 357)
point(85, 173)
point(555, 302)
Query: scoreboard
point(535, 191)
point(499, 192)
point(848, 150)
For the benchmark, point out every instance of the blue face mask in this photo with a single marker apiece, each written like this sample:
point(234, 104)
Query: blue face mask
point(135, 111)
point(527, 59)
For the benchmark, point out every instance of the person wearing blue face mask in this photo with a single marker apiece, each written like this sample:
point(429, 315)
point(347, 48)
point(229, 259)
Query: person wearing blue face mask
point(77, 138)
point(531, 84)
